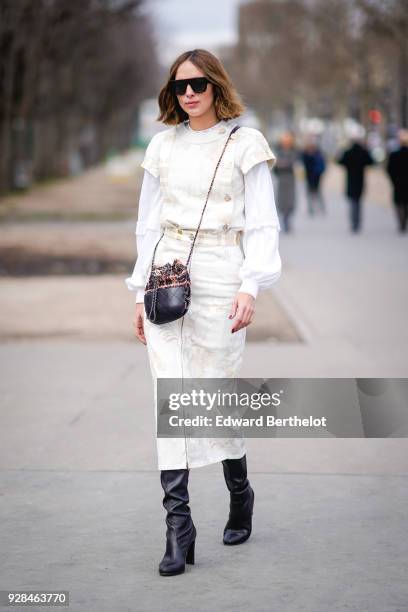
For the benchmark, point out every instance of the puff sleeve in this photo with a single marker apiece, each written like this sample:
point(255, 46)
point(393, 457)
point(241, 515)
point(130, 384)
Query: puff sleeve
point(262, 264)
point(147, 233)
point(253, 149)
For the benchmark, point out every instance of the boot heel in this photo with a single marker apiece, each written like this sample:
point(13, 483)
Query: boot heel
point(190, 553)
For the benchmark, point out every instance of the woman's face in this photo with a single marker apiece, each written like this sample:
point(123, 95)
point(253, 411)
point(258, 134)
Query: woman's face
point(194, 104)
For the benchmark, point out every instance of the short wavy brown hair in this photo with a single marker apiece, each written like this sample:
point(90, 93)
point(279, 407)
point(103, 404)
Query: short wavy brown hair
point(227, 102)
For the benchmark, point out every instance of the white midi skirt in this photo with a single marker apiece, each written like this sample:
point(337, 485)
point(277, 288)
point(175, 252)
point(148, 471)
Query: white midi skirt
point(201, 347)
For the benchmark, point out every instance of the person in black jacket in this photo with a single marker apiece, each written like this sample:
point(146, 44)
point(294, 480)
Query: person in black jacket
point(315, 165)
point(397, 168)
point(355, 159)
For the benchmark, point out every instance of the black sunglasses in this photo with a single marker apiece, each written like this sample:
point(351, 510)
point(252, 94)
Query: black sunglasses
point(179, 86)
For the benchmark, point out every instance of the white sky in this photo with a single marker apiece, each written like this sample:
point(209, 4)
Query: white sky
point(182, 25)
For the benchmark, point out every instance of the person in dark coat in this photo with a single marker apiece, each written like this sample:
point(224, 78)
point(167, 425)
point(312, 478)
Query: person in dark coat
point(355, 159)
point(287, 156)
point(397, 168)
point(315, 165)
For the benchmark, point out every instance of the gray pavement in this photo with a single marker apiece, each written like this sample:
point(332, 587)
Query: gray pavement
point(347, 293)
point(81, 497)
point(319, 543)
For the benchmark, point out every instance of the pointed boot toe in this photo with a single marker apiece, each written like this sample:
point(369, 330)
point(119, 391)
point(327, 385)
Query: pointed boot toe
point(235, 536)
point(239, 525)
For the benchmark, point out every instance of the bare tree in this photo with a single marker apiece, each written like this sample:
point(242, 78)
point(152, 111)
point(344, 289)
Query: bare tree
point(331, 58)
point(388, 19)
point(72, 75)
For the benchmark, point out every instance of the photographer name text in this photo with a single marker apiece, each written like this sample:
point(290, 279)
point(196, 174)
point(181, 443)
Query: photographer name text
point(260, 421)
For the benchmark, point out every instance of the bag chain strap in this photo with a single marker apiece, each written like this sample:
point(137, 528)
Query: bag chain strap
point(156, 279)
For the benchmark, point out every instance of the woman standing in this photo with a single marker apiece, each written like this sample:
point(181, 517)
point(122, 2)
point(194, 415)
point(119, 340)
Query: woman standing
point(235, 255)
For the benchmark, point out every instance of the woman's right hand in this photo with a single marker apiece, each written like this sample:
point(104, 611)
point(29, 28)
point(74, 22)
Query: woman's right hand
point(138, 323)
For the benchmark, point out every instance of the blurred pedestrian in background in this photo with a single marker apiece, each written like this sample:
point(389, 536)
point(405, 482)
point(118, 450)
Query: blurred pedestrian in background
point(355, 159)
point(397, 168)
point(315, 165)
point(287, 156)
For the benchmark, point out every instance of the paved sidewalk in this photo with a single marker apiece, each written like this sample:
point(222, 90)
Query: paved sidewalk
point(319, 543)
point(347, 293)
point(82, 501)
point(81, 496)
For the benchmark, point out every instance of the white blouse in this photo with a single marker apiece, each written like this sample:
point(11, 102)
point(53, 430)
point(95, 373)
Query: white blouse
point(262, 265)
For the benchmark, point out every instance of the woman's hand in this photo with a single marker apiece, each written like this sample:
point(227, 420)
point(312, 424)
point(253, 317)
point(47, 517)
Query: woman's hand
point(243, 307)
point(138, 323)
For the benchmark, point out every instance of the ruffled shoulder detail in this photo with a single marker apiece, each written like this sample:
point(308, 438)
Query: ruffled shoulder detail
point(151, 160)
point(253, 148)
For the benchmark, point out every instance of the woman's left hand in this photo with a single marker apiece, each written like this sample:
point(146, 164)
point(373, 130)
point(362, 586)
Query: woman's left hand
point(243, 307)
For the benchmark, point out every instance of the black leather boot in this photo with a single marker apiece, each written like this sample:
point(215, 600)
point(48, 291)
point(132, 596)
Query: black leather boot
point(181, 532)
point(239, 525)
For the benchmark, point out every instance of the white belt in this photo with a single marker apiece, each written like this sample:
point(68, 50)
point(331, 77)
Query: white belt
point(210, 237)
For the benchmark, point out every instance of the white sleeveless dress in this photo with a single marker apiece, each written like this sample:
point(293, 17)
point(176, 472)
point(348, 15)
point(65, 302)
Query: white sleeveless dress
point(201, 346)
